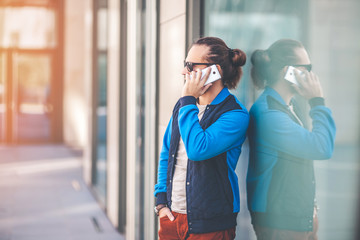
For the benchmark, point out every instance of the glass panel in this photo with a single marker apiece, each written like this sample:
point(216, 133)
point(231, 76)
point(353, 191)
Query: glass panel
point(101, 112)
point(31, 97)
point(101, 108)
point(255, 24)
point(249, 25)
point(27, 27)
point(2, 97)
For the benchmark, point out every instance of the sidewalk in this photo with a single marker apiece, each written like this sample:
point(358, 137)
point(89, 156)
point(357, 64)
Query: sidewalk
point(43, 197)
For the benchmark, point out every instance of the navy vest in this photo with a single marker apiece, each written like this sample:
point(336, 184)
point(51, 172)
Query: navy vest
point(208, 190)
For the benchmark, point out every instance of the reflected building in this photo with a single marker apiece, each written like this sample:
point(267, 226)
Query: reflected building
point(104, 75)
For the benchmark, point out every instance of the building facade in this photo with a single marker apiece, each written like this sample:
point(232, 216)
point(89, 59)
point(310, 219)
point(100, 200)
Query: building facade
point(116, 75)
point(132, 55)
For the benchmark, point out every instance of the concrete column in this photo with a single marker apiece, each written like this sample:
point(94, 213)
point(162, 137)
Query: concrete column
point(113, 112)
point(78, 78)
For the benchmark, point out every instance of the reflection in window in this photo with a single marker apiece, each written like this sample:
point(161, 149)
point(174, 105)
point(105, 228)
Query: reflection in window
point(101, 105)
point(249, 25)
point(255, 24)
point(101, 113)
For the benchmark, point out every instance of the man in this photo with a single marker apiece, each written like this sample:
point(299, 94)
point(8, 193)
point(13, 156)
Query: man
point(197, 191)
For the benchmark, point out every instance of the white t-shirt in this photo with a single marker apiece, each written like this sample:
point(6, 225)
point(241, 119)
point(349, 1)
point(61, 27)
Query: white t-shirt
point(178, 195)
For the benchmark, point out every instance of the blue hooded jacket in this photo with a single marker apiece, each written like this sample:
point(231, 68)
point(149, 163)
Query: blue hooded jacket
point(213, 146)
point(281, 180)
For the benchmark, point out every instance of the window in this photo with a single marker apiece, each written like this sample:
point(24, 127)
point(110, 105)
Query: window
point(329, 32)
point(100, 89)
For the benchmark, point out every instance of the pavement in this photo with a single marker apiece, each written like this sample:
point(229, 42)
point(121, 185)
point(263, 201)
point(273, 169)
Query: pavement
point(43, 196)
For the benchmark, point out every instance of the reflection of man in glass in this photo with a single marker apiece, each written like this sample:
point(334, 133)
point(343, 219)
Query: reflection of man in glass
point(281, 181)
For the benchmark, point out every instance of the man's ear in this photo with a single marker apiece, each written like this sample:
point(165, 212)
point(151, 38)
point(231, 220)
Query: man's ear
point(220, 70)
point(283, 72)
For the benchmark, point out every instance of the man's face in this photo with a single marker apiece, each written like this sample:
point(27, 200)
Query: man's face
point(196, 54)
point(303, 62)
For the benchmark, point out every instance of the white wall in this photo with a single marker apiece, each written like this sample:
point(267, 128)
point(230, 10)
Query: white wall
point(77, 71)
point(172, 53)
point(113, 116)
point(78, 78)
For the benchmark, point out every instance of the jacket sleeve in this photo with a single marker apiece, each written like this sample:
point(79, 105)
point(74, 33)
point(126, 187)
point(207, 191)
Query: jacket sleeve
point(226, 133)
point(160, 186)
point(278, 131)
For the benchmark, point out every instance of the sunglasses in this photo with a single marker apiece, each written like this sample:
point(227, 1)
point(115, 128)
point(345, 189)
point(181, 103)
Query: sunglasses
point(307, 66)
point(190, 65)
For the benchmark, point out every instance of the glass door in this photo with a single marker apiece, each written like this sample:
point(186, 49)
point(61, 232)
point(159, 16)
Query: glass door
point(31, 97)
point(28, 53)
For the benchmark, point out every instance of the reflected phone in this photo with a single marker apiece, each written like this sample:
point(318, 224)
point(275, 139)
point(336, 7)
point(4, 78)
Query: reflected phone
point(214, 74)
point(290, 75)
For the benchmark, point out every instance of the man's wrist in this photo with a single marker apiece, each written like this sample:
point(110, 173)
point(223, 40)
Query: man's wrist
point(187, 100)
point(316, 101)
point(158, 207)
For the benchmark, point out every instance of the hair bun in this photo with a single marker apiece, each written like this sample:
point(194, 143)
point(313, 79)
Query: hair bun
point(238, 57)
point(260, 58)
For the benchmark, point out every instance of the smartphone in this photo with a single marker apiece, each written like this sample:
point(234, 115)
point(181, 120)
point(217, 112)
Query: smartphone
point(290, 75)
point(214, 74)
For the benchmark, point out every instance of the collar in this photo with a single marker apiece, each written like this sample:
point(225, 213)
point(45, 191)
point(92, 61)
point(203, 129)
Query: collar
point(221, 96)
point(272, 92)
point(275, 101)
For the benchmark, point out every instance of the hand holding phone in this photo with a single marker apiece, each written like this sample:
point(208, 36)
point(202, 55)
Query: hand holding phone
point(214, 74)
point(290, 75)
point(309, 85)
point(198, 88)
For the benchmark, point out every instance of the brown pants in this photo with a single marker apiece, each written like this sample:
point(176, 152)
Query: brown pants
point(264, 233)
point(178, 230)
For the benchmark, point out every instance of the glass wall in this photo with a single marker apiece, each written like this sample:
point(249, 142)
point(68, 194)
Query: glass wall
point(329, 32)
point(254, 24)
point(100, 83)
point(250, 25)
